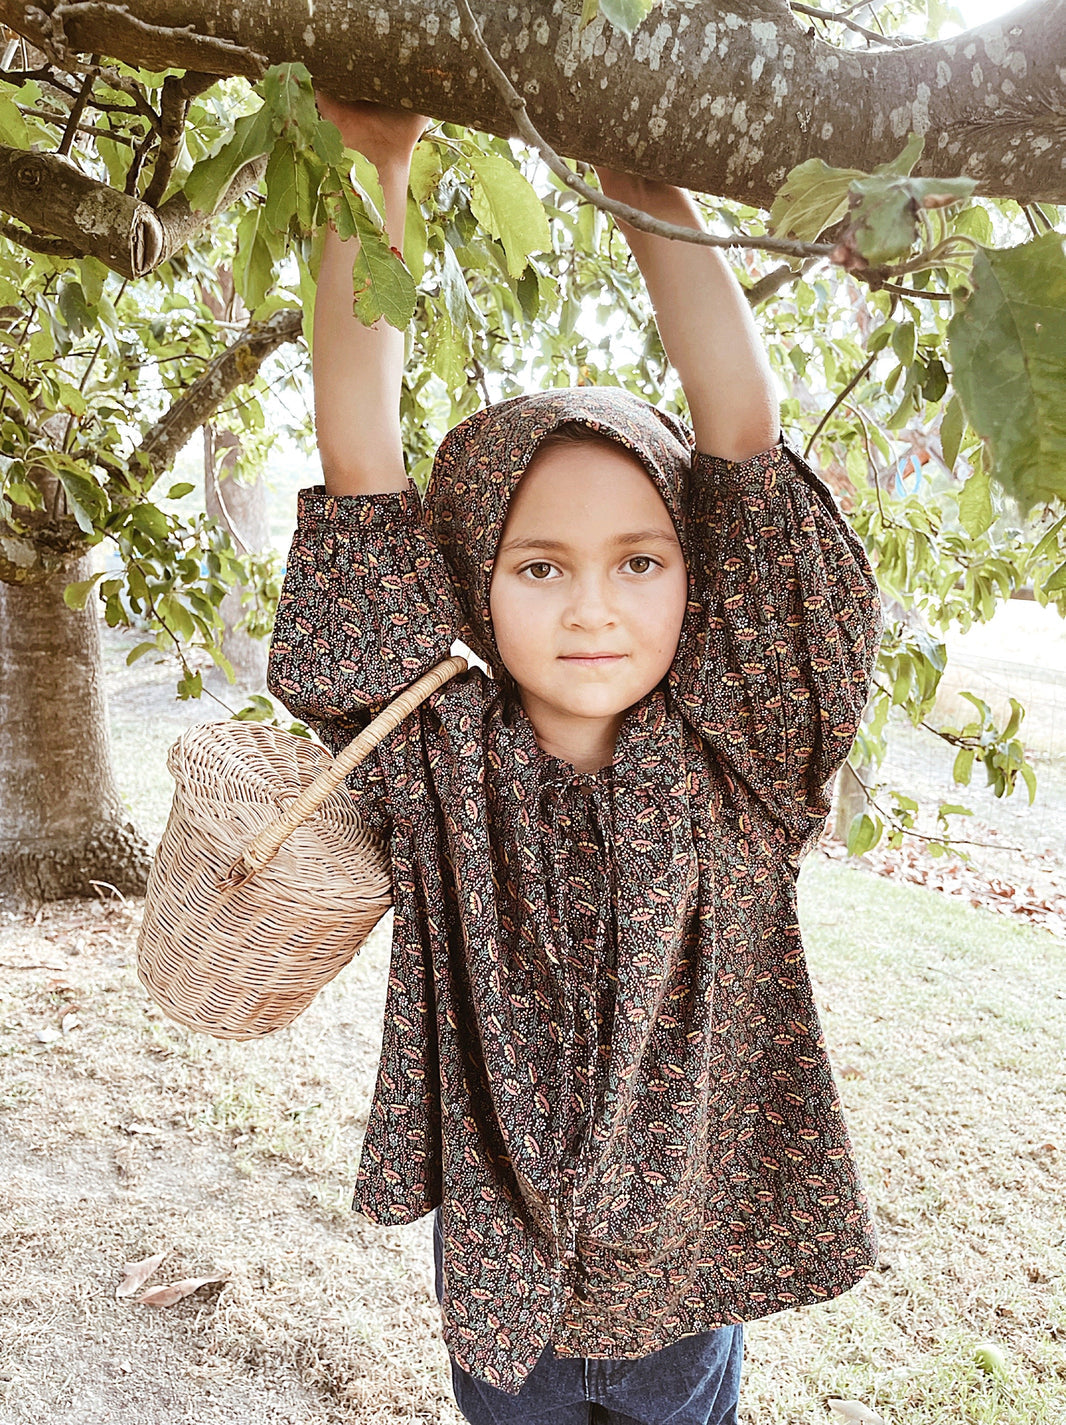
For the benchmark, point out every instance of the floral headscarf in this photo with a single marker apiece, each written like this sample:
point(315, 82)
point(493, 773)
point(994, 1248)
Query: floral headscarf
point(481, 461)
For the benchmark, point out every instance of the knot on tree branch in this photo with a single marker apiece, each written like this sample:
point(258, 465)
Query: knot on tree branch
point(50, 194)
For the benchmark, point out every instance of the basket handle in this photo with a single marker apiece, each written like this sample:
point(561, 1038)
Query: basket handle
point(264, 845)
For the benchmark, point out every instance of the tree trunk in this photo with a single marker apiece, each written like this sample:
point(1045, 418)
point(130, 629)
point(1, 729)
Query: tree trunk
point(721, 98)
point(62, 822)
point(849, 798)
point(242, 509)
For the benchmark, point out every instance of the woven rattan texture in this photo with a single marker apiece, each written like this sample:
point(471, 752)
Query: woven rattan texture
point(242, 961)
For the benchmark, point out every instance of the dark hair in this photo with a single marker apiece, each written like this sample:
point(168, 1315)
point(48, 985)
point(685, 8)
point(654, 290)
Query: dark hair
point(572, 433)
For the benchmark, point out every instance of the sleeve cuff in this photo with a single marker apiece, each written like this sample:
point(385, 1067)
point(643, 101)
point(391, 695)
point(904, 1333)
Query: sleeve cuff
point(758, 473)
point(388, 510)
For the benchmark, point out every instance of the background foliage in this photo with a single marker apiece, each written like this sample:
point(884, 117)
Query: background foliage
point(924, 367)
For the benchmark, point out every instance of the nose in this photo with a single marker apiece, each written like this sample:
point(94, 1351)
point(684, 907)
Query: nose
point(590, 604)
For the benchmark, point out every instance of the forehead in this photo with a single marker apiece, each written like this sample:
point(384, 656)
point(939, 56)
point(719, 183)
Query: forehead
point(586, 483)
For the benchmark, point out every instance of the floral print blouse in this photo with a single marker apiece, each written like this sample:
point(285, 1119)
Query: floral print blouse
point(601, 1053)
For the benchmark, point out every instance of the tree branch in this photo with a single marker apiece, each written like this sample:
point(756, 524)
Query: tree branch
point(173, 109)
point(100, 28)
point(44, 191)
point(34, 242)
point(234, 367)
point(635, 217)
point(718, 108)
point(841, 18)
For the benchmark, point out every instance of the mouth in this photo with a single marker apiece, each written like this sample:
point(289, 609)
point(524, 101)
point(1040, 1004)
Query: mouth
point(592, 660)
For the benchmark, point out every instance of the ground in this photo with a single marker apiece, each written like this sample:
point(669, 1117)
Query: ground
point(122, 1135)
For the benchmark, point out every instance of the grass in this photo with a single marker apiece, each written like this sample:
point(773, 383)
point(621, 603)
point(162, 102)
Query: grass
point(127, 1134)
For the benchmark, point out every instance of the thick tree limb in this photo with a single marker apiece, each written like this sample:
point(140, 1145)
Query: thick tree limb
point(644, 222)
point(721, 97)
point(234, 367)
point(49, 194)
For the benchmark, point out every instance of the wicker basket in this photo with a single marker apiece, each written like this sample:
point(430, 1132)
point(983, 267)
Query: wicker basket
point(265, 883)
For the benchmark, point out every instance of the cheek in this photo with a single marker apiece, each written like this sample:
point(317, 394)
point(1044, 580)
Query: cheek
point(515, 618)
point(660, 619)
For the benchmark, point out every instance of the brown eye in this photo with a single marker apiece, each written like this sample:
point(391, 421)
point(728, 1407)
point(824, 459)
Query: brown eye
point(542, 565)
point(640, 559)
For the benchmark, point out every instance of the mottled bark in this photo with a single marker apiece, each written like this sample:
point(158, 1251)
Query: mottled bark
point(724, 98)
point(62, 821)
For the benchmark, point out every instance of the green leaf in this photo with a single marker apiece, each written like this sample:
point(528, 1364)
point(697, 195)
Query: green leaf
point(963, 769)
point(458, 303)
point(863, 834)
point(253, 135)
point(180, 490)
point(504, 201)
point(291, 184)
point(904, 162)
point(366, 176)
point(1008, 352)
point(1029, 778)
point(13, 128)
point(75, 595)
point(415, 240)
point(976, 511)
point(381, 285)
point(139, 652)
point(625, 15)
point(885, 205)
point(253, 261)
point(426, 170)
point(904, 342)
point(151, 520)
point(85, 499)
point(289, 97)
point(812, 198)
point(93, 277)
point(1057, 581)
point(951, 425)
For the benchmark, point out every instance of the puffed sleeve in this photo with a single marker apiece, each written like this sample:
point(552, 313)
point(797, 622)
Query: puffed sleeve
point(774, 670)
point(366, 607)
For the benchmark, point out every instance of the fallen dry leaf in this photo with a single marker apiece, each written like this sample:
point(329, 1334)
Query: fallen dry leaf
point(70, 1021)
point(135, 1274)
point(168, 1295)
point(146, 1130)
point(854, 1410)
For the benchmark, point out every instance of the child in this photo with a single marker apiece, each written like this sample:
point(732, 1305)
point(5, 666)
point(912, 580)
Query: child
point(602, 1062)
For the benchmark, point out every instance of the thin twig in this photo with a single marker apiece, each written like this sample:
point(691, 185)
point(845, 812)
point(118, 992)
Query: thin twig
point(841, 18)
point(51, 118)
point(50, 247)
point(773, 281)
point(946, 840)
point(914, 292)
point(635, 217)
point(74, 118)
point(140, 153)
point(848, 389)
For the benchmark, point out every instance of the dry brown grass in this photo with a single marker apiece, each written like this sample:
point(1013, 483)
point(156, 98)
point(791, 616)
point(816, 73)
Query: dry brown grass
point(126, 1134)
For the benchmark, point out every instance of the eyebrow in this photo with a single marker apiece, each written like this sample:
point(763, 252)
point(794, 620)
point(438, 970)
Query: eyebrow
point(640, 536)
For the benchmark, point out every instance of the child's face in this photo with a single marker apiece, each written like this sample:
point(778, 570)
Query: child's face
point(589, 589)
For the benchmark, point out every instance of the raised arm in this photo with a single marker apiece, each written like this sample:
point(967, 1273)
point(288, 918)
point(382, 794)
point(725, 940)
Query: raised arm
point(357, 369)
point(705, 324)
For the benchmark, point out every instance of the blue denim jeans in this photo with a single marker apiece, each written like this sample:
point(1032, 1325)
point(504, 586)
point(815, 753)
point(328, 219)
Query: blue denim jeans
point(696, 1381)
